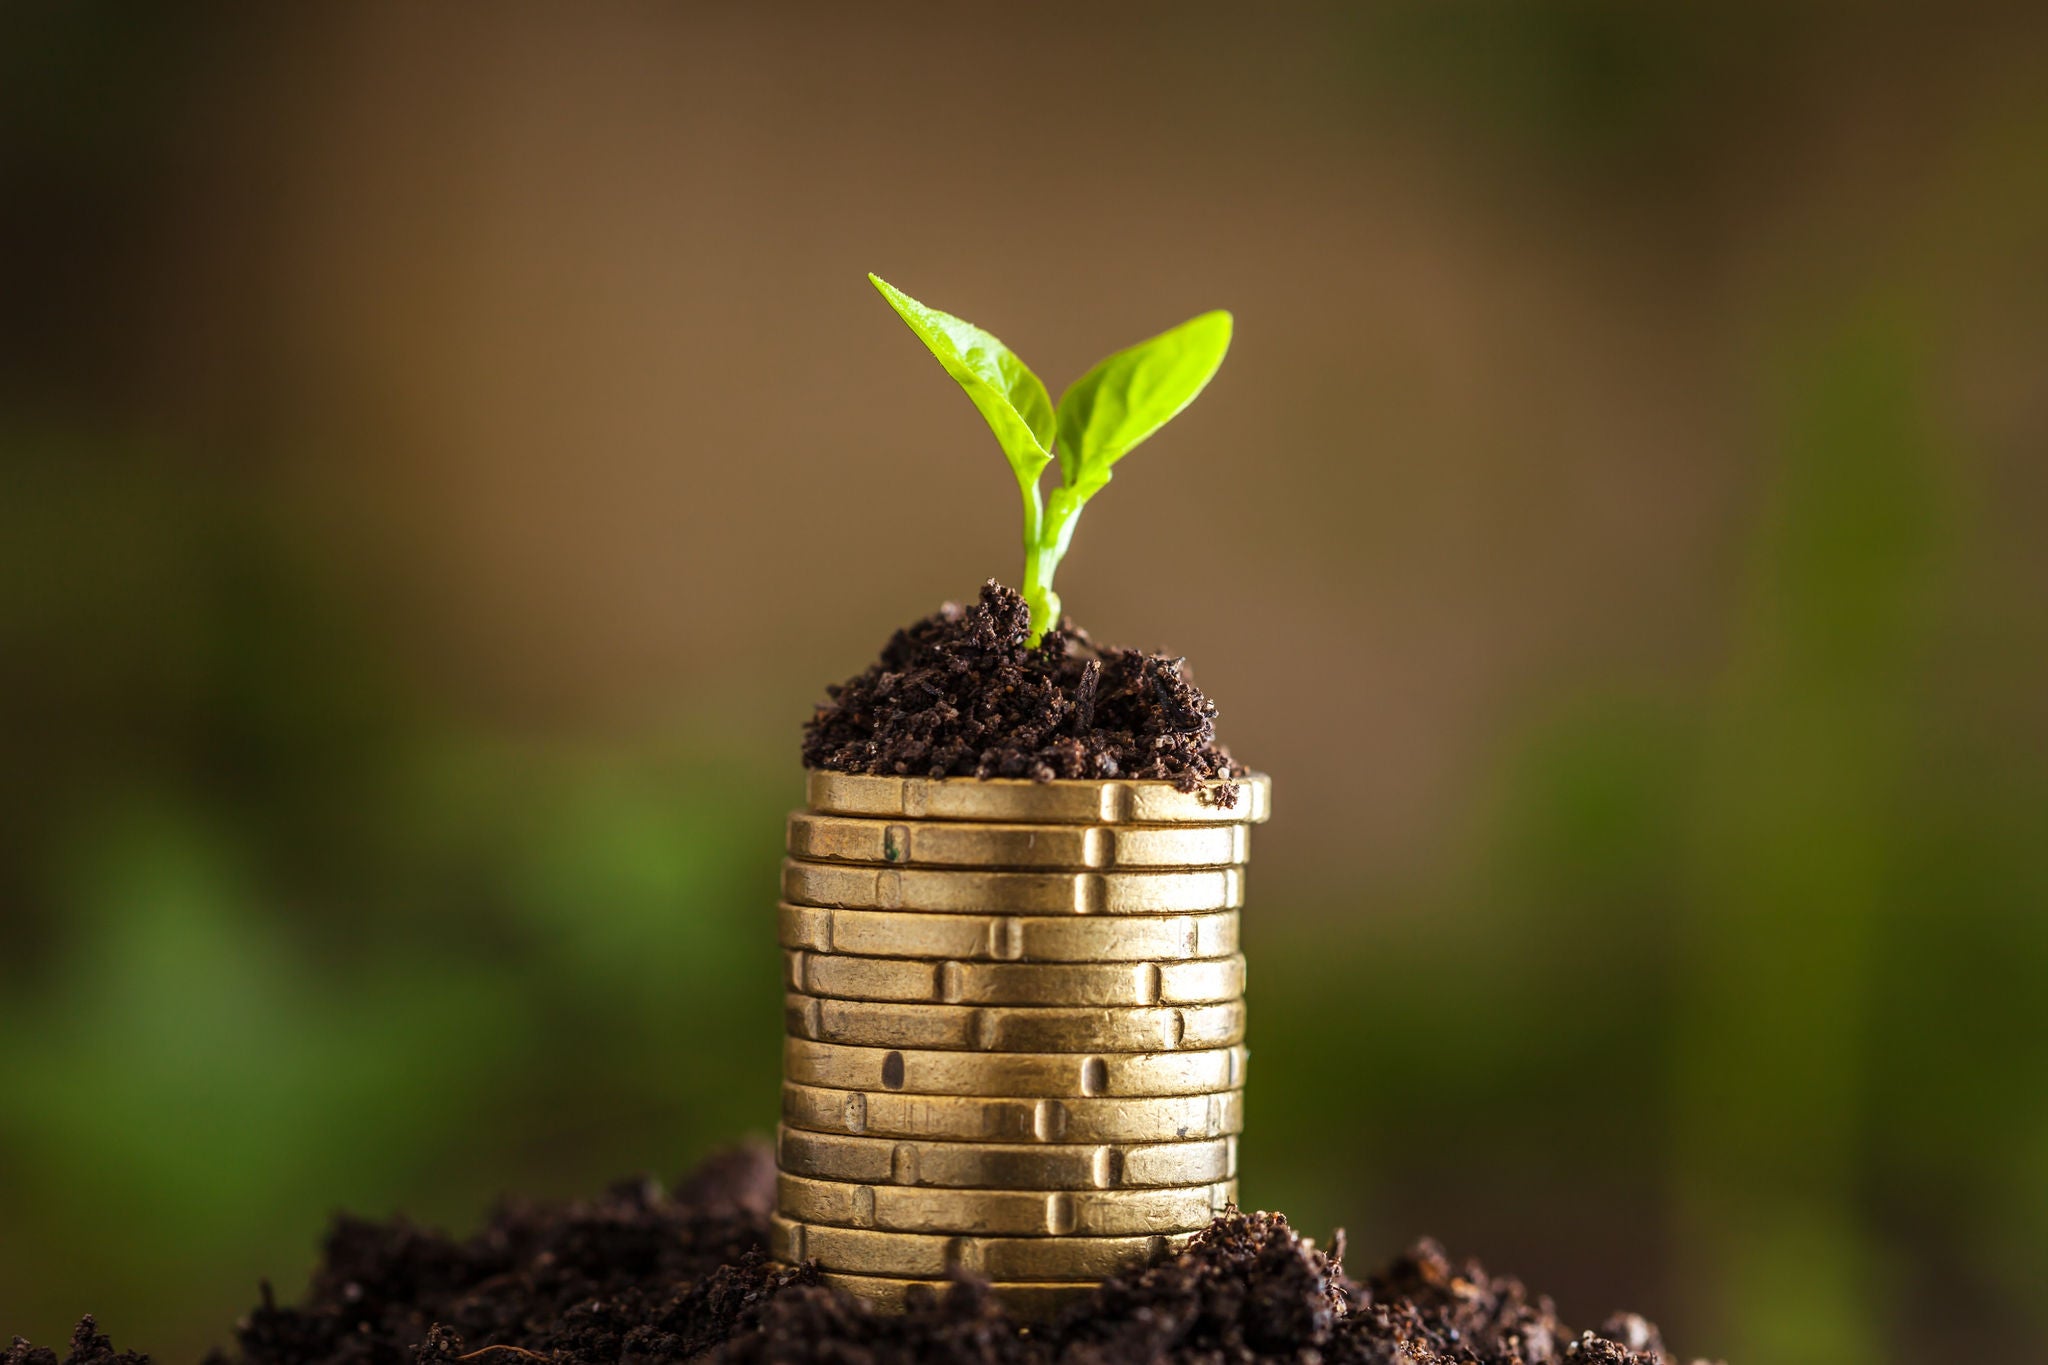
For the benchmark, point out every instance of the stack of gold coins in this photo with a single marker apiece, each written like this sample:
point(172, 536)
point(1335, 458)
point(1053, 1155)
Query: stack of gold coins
point(1016, 1025)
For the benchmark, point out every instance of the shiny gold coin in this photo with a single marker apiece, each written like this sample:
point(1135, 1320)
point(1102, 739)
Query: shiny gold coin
point(1004, 1213)
point(860, 1251)
point(999, 1028)
point(938, 843)
point(1062, 802)
point(966, 1118)
point(1026, 1074)
point(988, 1165)
point(1014, 983)
point(1009, 938)
point(1025, 1302)
point(960, 891)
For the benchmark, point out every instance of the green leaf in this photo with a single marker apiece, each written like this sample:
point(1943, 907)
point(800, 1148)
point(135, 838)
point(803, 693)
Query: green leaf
point(1126, 398)
point(1012, 399)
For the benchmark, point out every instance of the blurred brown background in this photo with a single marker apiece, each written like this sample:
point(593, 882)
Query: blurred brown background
point(447, 450)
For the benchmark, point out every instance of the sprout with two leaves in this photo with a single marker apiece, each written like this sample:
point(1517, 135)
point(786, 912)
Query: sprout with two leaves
point(1101, 417)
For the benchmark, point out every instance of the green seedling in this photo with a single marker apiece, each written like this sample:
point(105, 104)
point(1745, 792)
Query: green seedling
point(1101, 418)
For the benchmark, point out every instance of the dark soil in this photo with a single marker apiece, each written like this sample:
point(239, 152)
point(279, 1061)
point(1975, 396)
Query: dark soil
point(960, 694)
point(88, 1347)
point(641, 1276)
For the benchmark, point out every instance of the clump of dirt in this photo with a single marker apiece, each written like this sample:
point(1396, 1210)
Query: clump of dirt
point(645, 1277)
point(960, 694)
point(89, 1346)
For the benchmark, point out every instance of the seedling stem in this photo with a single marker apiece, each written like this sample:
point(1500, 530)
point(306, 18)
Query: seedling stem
point(1101, 418)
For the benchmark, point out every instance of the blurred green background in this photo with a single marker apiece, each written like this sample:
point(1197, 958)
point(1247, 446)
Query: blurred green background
point(446, 452)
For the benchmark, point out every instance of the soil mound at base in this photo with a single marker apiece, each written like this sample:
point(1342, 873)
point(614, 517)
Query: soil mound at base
point(960, 694)
point(643, 1275)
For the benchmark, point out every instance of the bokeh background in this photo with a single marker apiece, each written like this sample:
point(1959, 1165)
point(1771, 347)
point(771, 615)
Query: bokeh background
point(447, 450)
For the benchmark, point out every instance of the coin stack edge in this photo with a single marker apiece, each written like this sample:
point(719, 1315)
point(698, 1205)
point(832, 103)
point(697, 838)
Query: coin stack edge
point(1015, 1030)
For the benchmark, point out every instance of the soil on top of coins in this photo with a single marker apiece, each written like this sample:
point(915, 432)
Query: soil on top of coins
point(644, 1276)
point(961, 694)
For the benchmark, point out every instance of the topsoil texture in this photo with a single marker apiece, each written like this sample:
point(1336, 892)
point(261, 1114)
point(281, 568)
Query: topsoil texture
point(642, 1276)
point(960, 694)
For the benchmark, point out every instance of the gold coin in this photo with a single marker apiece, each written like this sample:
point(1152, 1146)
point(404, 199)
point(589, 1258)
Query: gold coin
point(960, 891)
point(969, 1118)
point(1014, 983)
point(1025, 1302)
point(938, 843)
point(999, 1028)
point(1009, 938)
point(1031, 1075)
point(981, 1165)
point(1003, 1213)
point(1111, 802)
point(860, 1251)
